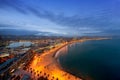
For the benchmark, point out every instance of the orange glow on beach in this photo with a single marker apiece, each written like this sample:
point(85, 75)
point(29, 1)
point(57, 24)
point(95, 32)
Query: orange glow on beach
point(46, 65)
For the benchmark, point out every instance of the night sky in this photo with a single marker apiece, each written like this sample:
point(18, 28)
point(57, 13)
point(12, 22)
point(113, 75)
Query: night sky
point(61, 17)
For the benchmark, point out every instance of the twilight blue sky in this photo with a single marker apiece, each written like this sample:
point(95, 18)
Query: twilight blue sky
point(61, 17)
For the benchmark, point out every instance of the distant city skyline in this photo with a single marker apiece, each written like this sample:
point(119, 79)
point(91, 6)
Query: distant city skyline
point(61, 17)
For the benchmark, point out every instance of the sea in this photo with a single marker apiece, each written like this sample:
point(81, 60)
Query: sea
point(93, 60)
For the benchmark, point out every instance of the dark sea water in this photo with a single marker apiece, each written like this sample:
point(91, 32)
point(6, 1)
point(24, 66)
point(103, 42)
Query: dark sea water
point(93, 60)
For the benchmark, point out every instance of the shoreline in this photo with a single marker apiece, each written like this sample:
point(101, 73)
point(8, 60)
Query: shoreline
point(57, 54)
point(47, 64)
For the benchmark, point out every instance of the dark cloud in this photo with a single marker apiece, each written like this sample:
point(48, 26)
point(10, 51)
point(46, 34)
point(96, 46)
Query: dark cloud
point(97, 21)
point(26, 32)
point(15, 4)
point(35, 12)
point(17, 32)
point(6, 25)
point(100, 21)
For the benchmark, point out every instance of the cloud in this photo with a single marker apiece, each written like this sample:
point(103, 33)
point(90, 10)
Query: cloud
point(16, 32)
point(85, 25)
point(75, 21)
point(97, 23)
point(5, 25)
point(14, 4)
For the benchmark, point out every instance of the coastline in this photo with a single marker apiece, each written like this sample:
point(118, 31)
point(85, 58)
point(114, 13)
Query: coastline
point(47, 64)
point(57, 54)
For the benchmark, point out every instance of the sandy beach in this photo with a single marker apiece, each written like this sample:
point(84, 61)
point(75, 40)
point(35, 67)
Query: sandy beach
point(46, 65)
